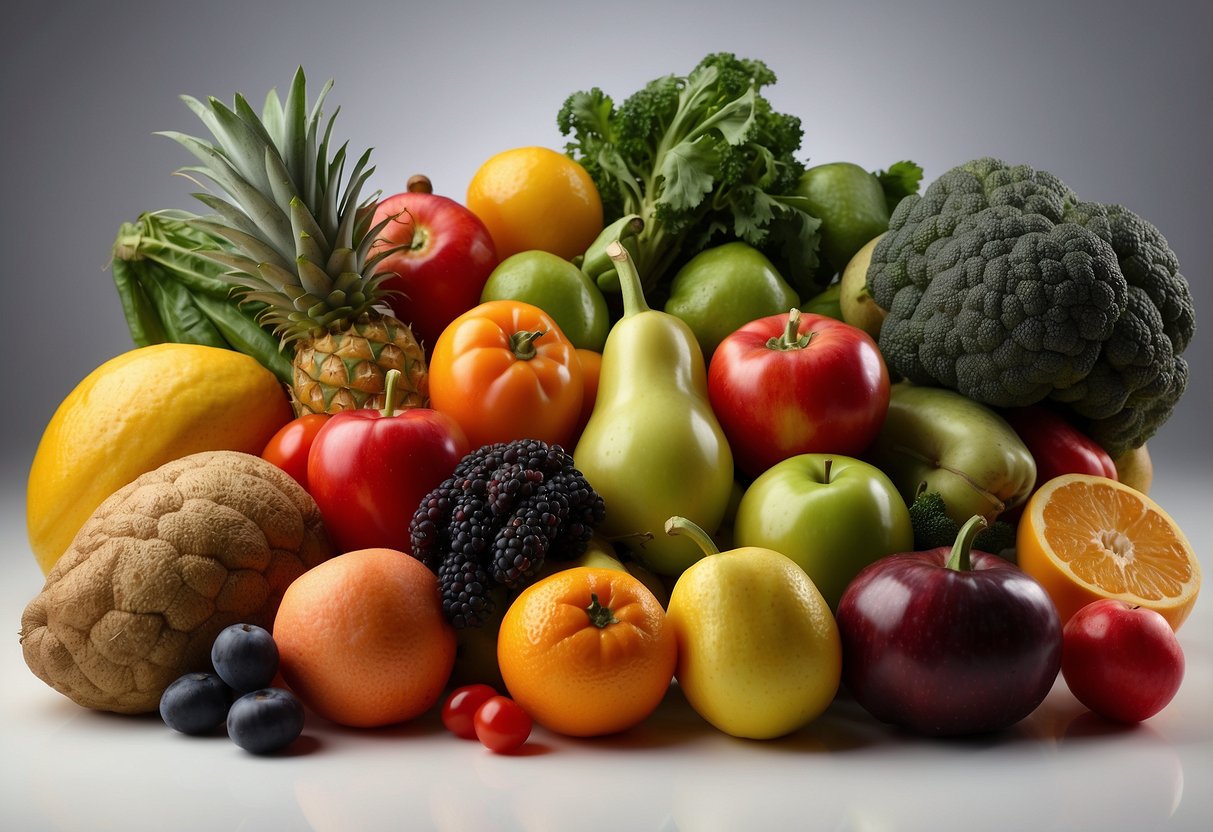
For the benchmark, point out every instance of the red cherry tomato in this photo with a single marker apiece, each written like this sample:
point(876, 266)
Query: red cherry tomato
point(459, 710)
point(289, 447)
point(502, 725)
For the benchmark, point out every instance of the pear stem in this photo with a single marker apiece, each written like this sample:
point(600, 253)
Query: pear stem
point(680, 525)
point(629, 280)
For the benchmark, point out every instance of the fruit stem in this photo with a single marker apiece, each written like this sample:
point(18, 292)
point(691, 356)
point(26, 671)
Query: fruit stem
point(600, 616)
point(829, 465)
point(959, 558)
point(419, 183)
point(791, 338)
point(389, 393)
point(522, 343)
point(629, 280)
point(680, 525)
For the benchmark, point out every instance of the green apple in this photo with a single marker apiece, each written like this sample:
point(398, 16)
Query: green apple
point(557, 287)
point(827, 302)
point(851, 205)
point(726, 287)
point(833, 515)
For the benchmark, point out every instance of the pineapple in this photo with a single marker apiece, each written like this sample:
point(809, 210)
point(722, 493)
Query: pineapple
point(301, 243)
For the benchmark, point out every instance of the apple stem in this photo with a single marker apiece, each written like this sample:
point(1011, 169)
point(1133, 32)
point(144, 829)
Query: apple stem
point(829, 463)
point(959, 558)
point(791, 338)
point(389, 393)
point(680, 525)
point(522, 343)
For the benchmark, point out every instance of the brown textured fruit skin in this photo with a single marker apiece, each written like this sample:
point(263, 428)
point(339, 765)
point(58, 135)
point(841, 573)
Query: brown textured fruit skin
point(160, 568)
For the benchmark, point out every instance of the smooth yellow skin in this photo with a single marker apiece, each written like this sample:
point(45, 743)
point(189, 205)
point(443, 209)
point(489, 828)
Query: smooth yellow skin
point(1135, 469)
point(134, 413)
point(759, 654)
point(858, 307)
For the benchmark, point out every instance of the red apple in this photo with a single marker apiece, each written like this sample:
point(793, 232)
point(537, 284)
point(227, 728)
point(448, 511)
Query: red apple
point(948, 641)
point(797, 383)
point(446, 257)
point(368, 470)
point(1122, 661)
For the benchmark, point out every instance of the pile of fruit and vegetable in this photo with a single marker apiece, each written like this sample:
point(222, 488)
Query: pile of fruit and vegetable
point(667, 406)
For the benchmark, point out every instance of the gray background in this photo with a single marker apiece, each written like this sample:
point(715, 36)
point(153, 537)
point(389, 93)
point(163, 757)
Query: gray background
point(1114, 97)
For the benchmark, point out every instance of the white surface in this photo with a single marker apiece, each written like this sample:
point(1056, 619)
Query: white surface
point(71, 769)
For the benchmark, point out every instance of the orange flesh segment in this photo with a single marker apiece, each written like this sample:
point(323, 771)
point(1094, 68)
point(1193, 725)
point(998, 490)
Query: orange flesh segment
point(1110, 539)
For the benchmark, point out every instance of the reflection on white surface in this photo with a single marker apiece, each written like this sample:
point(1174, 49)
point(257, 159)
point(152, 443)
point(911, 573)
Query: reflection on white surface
point(1060, 769)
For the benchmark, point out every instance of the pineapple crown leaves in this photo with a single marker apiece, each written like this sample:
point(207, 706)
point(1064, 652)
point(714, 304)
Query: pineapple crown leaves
point(301, 242)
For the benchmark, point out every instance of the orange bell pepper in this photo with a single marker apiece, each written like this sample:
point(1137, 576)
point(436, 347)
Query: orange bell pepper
point(504, 371)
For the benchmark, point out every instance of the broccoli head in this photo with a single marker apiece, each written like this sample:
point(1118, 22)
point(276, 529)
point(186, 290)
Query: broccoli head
point(1001, 284)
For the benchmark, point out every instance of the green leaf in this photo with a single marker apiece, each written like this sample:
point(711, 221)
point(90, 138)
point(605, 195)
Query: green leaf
point(245, 335)
point(734, 120)
point(688, 171)
point(141, 317)
point(184, 322)
point(899, 181)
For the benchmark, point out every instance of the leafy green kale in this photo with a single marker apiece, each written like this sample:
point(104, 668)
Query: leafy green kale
point(702, 159)
point(1002, 284)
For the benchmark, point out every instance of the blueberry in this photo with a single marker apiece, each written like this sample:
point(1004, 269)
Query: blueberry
point(196, 703)
point(265, 720)
point(245, 656)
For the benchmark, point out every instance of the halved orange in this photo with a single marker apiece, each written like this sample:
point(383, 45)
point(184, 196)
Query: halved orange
point(1087, 537)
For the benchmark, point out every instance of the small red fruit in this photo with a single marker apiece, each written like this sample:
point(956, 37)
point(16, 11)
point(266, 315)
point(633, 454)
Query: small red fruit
point(459, 710)
point(502, 725)
point(1122, 661)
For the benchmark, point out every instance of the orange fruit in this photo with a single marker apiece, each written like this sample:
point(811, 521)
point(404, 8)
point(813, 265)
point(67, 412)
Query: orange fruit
point(362, 639)
point(1087, 537)
point(591, 371)
point(587, 651)
point(533, 198)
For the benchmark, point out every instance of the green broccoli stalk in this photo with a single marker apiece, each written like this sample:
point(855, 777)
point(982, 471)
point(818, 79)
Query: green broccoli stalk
point(701, 159)
point(933, 527)
point(1001, 284)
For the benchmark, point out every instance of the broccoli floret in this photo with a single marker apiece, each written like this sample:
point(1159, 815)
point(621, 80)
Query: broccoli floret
point(933, 527)
point(999, 283)
point(504, 510)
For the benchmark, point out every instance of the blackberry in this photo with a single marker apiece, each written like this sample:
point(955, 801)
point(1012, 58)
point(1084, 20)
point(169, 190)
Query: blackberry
point(465, 593)
point(425, 529)
point(504, 510)
point(522, 543)
point(510, 484)
point(586, 512)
